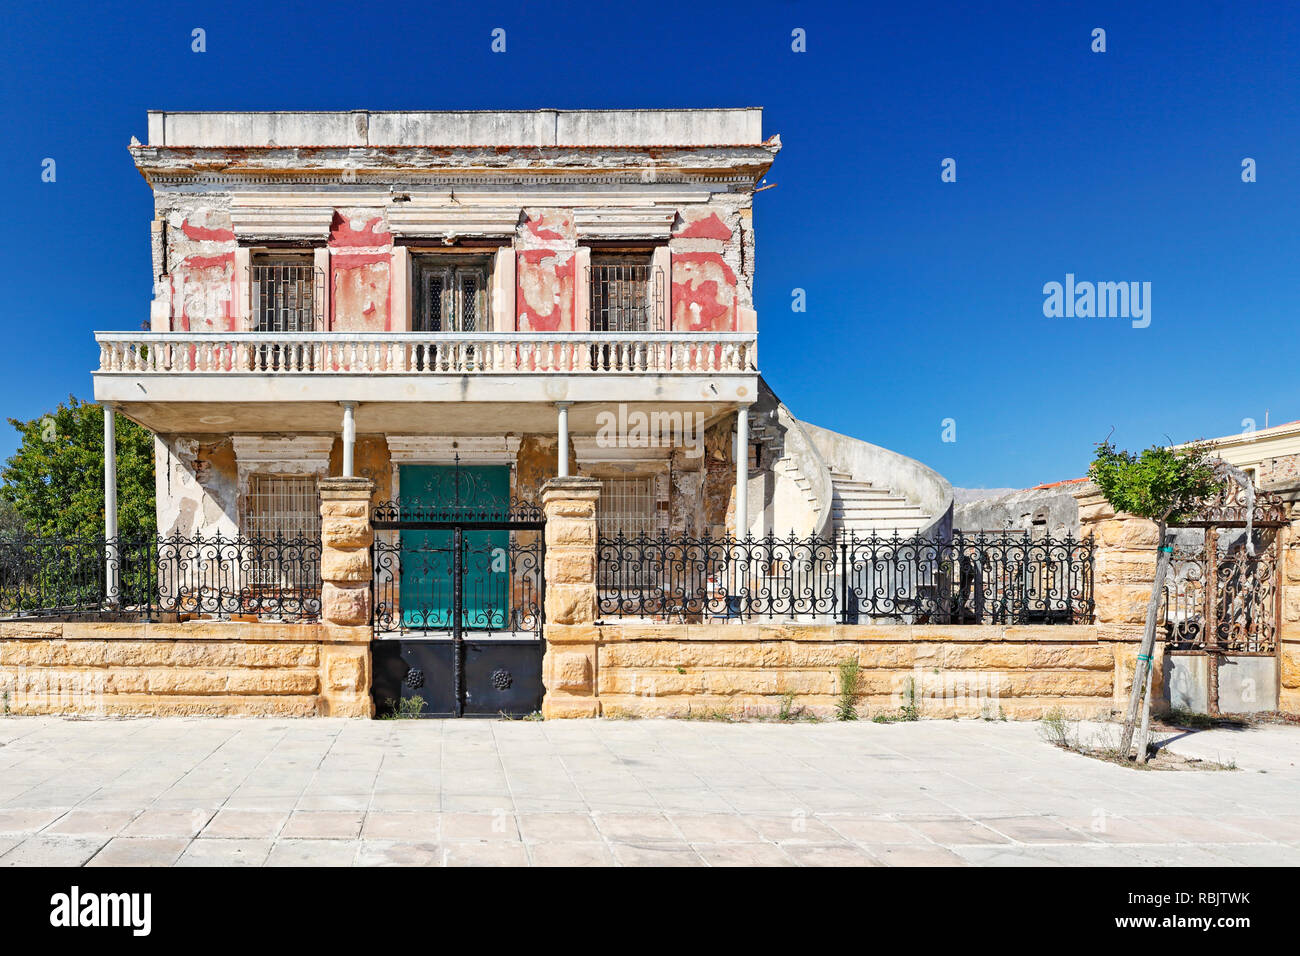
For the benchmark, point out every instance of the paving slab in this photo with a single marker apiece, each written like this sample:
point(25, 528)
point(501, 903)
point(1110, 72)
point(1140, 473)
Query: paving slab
point(329, 792)
point(140, 851)
point(220, 852)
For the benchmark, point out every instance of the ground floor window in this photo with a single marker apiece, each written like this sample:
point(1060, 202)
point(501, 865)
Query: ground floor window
point(284, 506)
point(627, 506)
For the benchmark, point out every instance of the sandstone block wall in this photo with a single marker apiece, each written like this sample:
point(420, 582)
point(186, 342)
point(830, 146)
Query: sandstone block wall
point(679, 670)
point(209, 668)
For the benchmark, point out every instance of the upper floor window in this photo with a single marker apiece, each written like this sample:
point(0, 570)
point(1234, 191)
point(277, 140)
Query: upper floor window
point(626, 294)
point(451, 293)
point(287, 292)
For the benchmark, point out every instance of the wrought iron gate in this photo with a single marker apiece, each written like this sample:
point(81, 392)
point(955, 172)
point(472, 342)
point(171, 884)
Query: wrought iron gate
point(458, 597)
point(1221, 601)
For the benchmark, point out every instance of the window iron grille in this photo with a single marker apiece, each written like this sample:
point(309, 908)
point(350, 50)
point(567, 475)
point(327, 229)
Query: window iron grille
point(450, 298)
point(286, 296)
point(286, 506)
point(626, 297)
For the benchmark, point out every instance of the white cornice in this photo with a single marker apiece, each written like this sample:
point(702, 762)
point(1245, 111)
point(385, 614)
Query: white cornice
point(590, 450)
point(296, 453)
point(473, 450)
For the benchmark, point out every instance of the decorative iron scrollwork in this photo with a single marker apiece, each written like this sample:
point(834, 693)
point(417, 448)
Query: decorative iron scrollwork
point(1228, 507)
point(998, 578)
point(270, 577)
point(465, 497)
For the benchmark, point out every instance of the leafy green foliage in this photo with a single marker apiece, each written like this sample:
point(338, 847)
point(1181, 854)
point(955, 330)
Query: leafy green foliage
point(1162, 484)
point(54, 483)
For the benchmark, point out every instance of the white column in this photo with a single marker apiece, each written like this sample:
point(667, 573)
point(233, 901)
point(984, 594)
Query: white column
point(562, 464)
point(742, 471)
point(111, 577)
point(349, 437)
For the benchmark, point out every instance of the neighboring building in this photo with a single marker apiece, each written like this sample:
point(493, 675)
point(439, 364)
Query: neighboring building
point(518, 293)
point(1270, 456)
point(1044, 509)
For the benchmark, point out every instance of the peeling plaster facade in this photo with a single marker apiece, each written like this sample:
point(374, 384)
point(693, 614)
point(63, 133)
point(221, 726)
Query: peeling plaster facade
point(365, 205)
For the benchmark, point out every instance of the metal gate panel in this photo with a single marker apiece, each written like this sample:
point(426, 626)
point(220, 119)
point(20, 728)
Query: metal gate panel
point(407, 668)
point(503, 677)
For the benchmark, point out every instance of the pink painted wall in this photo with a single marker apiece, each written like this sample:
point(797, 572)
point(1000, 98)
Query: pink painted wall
point(202, 273)
point(704, 288)
point(546, 270)
point(361, 268)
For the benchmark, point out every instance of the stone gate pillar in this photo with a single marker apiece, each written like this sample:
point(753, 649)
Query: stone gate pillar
point(1123, 571)
point(569, 669)
point(1288, 627)
point(345, 570)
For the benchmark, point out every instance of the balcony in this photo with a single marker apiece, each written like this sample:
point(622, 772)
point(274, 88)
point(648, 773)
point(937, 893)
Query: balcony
point(232, 381)
point(421, 353)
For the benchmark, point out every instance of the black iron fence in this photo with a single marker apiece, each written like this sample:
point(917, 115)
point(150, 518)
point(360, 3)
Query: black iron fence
point(153, 577)
point(989, 578)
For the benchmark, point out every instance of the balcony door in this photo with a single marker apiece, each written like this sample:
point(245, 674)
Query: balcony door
point(450, 294)
point(626, 294)
point(286, 296)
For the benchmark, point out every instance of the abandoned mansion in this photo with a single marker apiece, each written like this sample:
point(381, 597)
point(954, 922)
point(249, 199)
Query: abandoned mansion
point(462, 413)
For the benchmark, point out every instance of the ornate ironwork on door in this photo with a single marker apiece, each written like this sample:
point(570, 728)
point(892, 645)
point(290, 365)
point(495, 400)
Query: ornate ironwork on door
point(458, 595)
point(1219, 597)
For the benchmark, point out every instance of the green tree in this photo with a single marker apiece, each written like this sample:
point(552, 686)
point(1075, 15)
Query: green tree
point(1162, 484)
point(54, 482)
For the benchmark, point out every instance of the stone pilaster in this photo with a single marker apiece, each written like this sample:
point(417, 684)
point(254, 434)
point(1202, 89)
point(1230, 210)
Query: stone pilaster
point(569, 670)
point(1124, 569)
point(1289, 626)
point(345, 566)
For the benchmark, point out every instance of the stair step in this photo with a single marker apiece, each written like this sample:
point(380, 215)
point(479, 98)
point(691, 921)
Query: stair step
point(864, 494)
point(891, 503)
point(866, 529)
point(864, 508)
point(870, 516)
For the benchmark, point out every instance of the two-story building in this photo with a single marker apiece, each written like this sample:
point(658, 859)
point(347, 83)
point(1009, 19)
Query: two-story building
point(460, 306)
point(531, 292)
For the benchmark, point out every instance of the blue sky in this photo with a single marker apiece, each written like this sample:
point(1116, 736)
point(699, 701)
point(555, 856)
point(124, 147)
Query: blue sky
point(924, 298)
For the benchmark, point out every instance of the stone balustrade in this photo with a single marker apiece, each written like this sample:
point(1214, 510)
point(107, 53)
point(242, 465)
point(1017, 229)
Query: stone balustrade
point(417, 353)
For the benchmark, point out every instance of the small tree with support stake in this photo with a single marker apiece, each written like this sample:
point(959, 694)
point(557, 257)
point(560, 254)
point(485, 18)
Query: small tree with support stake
point(1163, 485)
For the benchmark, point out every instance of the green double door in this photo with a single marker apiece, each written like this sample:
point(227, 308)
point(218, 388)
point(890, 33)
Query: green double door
point(464, 495)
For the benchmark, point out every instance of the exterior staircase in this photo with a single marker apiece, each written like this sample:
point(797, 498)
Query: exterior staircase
point(861, 508)
point(765, 432)
point(824, 483)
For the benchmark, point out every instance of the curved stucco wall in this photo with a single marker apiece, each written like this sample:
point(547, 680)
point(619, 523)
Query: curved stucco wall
point(920, 484)
point(789, 507)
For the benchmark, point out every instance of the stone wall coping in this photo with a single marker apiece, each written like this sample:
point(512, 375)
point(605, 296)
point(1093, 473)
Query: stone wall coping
point(338, 487)
point(571, 487)
point(849, 633)
point(247, 631)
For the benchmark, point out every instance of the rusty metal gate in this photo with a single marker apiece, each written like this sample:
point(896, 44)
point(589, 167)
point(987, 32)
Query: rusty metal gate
point(1222, 604)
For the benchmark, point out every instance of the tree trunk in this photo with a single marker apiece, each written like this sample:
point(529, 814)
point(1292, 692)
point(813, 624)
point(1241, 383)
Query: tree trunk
point(1144, 732)
point(1141, 678)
